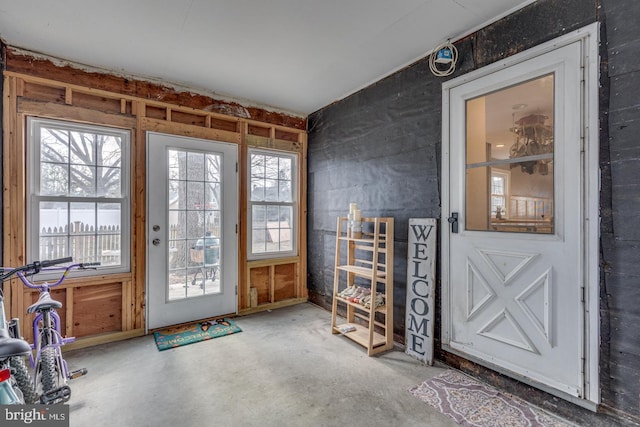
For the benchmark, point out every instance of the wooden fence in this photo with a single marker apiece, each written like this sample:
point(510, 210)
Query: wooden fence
point(84, 242)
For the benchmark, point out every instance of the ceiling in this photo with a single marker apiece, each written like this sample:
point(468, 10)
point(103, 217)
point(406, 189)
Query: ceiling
point(295, 56)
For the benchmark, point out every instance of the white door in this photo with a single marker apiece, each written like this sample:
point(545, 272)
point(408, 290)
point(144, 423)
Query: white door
point(192, 211)
point(512, 257)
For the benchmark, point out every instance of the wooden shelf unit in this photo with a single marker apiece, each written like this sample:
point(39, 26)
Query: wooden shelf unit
point(371, 259)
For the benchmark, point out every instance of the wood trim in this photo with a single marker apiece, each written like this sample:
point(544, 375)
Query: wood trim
point(70, 112)
point(273, 261)
point(163, 126)
point(139, 221)
point(103, 339)
point(273, 306)
point(68, 307)
point(243, 177)
point(274, 144)
point(301, 280)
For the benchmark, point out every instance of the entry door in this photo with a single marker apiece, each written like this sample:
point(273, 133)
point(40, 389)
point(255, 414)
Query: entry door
point(192, 211)
point(512, 280)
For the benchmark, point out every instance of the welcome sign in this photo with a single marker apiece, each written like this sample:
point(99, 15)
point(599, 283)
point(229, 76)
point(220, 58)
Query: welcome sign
point(421, 268)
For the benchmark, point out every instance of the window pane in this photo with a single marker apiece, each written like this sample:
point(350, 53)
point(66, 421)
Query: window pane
point(259, 216)
point(271, 190)
point(109, 182)
point(195, 224)
point(54, 179)
point(212, 196)
point(177, 194)
point(271, 167)
point(83, 148)
point(109, 234)
point(109, 151)
point(285, 168)
point(195, 195)
point(285, 239)
point(257, 189)
point(195, 166)
point(54, 146)
point(83, 181)
point(177, 164)
point(213, 168)
point(285, 191)
point(511, 130)
point(53, 242)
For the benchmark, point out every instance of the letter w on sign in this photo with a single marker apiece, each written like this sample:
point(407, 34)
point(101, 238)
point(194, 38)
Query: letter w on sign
point(421, 268)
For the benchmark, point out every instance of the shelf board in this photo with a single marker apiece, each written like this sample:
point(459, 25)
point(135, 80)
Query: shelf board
point(361, 335)
point(381, 309)
point(362, 271)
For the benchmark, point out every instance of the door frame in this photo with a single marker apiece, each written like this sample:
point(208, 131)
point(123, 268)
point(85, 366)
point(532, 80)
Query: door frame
point(590, 173)
point(229, 219)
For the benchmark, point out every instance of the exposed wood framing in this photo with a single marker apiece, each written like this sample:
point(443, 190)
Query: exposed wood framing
point(23, 63)
point(120, 299)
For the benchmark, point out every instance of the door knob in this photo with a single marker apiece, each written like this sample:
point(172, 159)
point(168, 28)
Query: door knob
point(453, 220)
point(156, 242)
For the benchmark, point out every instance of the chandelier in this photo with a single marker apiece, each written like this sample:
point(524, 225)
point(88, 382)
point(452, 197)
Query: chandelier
point(533, 143)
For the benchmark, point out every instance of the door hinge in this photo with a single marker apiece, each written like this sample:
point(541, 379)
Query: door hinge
point(582, 295)
point(236, 228)
point(236, 166)
point(236, 289)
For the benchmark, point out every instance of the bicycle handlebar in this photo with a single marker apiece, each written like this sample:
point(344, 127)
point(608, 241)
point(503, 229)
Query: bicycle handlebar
point(88, 265)
point(37, 266)
point(48, 263)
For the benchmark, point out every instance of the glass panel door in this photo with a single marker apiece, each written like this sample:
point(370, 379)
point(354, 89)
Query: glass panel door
point(192, 244)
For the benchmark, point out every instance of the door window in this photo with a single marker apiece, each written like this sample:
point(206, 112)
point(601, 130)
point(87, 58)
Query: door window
point(510, 138)
point(195, 217)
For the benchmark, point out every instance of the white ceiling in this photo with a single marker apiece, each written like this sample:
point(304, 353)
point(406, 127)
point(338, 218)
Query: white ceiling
point(291, 55)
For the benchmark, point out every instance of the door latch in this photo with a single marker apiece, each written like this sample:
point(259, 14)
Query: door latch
point(453, 220)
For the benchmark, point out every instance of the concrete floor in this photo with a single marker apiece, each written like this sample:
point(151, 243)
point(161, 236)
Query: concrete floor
point(284, 369)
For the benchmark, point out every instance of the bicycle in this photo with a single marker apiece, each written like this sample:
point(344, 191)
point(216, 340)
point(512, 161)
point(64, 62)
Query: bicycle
point(50, 370)
point(16, 385)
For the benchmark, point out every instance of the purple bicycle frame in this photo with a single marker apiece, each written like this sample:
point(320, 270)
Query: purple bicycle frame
point(57, 340)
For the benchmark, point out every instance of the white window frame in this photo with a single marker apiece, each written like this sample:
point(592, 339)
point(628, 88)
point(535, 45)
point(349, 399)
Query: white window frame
point(34, 198)
point(293, 204)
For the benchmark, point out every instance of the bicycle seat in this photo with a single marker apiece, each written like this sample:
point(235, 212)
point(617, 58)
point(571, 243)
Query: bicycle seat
point(10, 347)
point(45, 302)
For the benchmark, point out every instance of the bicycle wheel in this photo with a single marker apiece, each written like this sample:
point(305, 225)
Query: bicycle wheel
point(48, 370)
point(23, 379)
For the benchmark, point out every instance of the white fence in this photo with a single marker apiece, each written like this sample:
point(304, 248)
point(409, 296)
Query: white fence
point(83, 242)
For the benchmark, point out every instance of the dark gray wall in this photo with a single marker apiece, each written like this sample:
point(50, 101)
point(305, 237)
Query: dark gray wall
point(381, 148)
point(620, 201)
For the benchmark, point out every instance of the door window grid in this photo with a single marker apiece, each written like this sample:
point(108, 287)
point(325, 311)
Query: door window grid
point(195, 218)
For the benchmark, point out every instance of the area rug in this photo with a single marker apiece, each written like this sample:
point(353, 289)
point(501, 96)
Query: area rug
point(470, 403)
point(194, 332)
